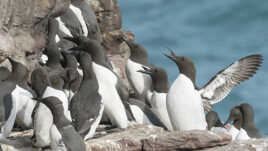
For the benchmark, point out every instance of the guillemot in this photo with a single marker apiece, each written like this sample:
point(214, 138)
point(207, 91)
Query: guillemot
point(243, 116)
point(71, 139)
point(87, 106)
point(111, 87)
point(87, 19)
point(185, 101)
point(45, 131)
point(71, 76)
point(159, 92)
point(141, 83)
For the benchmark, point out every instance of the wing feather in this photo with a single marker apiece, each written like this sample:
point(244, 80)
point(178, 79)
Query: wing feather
point(225, 80)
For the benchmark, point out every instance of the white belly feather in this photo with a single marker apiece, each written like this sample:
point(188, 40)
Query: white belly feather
point(184, 105)
point(159, 107)
point(113, 106)
point(139, 115)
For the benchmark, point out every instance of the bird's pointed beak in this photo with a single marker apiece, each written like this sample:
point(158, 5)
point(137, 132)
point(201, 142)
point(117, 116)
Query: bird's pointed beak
point(171, 56)
point(73, 39)
point(146, 70)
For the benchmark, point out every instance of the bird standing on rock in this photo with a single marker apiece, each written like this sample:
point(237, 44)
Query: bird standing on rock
point(141, 83)
point(87, 106)
point(160, 88)
point(185, 101)
point(71, 139)
point(111, 88)
point(243, 119)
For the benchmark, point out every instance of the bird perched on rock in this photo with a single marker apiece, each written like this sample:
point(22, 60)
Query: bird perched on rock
point(243, 119)
point(71, 139)
point(111, 87)
point(185, 101)
point(87, 106)
point(159, 92)
point(141, 83)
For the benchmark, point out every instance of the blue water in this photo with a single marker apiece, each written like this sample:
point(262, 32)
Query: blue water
point(213, 34)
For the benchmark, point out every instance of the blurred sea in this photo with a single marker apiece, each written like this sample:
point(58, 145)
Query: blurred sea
point(213, 34)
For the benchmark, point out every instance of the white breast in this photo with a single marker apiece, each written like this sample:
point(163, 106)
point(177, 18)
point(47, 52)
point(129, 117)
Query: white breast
point(43, 120)
point(242, 135)
point(113, 106)
point(159, 107)
point(140, 82)
point(138, 114)
point(184, 105)
point(63, 28)
point(233, 131)
point(80, 17)
point(61, 96)
point(24, 107)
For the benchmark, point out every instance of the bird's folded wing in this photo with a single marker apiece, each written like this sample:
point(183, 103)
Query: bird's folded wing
point(223, 82)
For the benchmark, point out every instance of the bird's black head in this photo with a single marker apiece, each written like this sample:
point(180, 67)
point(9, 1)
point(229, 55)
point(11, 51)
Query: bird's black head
point(185, 65)
point(236, 117)
point(69, 60)
point(39, 81)
point(137, 51)
point(159, 78)
point(91, 46)
point(213, 120)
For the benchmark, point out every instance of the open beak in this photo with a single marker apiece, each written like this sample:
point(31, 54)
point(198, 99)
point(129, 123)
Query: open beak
point(171, 56)
point(146, 70)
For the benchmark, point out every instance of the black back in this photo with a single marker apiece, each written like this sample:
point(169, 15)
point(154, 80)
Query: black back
point(86, 102)
point(138, 53)
point(70, 137)
point(89, 18)
point(40, 81)
point(248, 124)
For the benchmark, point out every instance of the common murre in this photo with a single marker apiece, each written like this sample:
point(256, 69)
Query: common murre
point(141, 83)
point(87, 106)
point(184, 99)
point(111, 87)
point(71, 139)
point(243, 119)
point(159, 93)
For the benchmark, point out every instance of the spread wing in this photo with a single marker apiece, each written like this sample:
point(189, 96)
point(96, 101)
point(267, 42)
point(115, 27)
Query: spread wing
point(223, 82)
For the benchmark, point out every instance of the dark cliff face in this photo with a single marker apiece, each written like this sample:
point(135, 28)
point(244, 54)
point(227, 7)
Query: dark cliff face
point(23, 28)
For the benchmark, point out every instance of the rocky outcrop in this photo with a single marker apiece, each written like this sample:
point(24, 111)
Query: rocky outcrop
point(23, 28)
point(151, 138)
